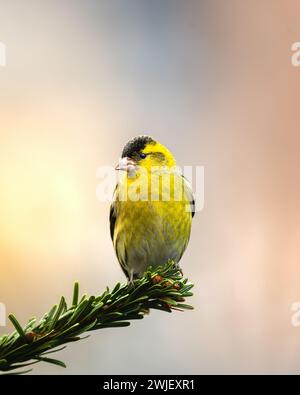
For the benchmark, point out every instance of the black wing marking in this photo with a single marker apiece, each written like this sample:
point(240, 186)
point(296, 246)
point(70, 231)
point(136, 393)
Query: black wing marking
point(112, 221)
point(112, 214)
point(191, 196)
point(193, 207)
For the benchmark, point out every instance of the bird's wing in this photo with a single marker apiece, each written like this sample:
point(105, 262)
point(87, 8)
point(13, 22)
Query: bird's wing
point(112, 216)
point(112, 221)
point(190, 195)
point(119, 246)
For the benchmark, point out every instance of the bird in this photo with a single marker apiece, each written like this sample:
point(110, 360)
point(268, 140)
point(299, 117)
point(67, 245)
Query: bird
point(152, 208)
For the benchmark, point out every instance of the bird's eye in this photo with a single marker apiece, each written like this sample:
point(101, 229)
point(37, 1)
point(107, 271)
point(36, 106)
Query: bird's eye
point(142, 155)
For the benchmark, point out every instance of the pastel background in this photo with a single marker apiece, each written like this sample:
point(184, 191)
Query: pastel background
point(212, 80)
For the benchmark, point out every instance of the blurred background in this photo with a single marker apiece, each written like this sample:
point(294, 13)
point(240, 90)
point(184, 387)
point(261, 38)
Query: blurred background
point(212, 80)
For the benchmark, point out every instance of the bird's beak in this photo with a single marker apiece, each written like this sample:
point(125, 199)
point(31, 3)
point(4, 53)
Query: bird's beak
point(126, 164)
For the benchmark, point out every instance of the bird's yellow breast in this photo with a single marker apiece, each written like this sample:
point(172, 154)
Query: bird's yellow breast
point(156, 226)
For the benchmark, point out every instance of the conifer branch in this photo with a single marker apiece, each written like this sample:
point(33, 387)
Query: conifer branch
point(162, 288)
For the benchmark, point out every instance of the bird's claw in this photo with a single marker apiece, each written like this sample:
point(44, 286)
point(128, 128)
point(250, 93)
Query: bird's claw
point(177, 267)
point(130, 280)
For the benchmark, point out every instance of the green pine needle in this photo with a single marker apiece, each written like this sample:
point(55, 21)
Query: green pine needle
point(162, 289)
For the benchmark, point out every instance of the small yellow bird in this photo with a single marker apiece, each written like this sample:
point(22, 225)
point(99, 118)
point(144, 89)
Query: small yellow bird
point(152, 208)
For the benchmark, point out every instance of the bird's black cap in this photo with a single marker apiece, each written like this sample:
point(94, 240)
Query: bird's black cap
point(136, 144)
